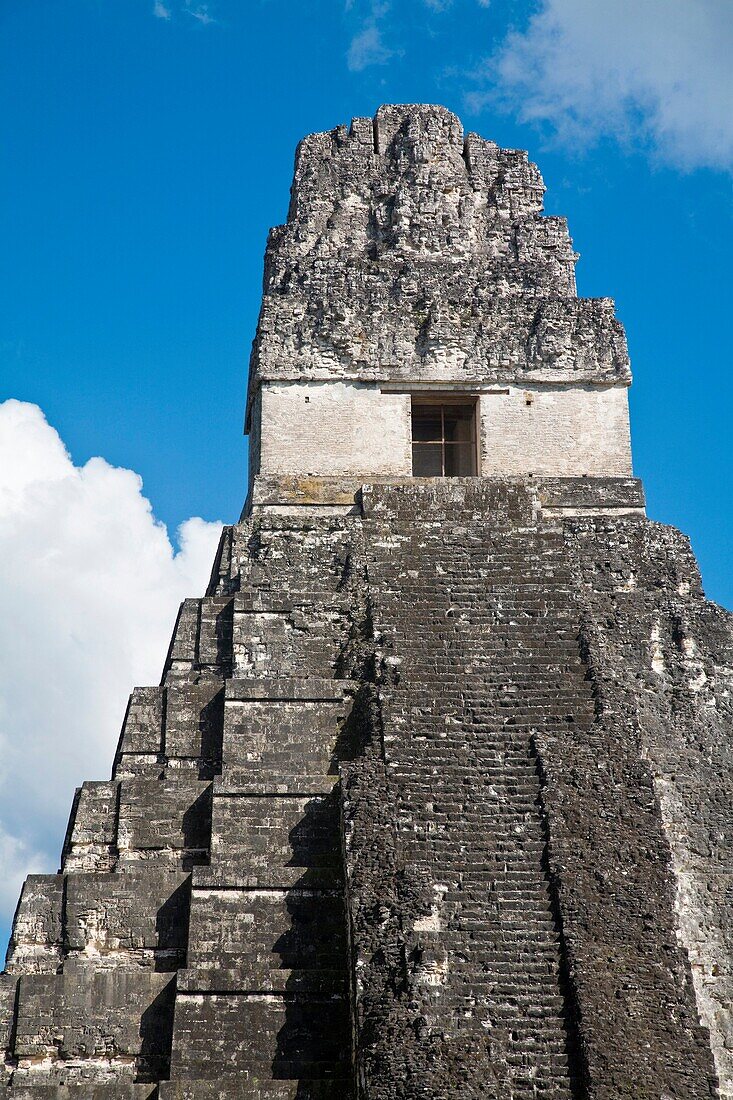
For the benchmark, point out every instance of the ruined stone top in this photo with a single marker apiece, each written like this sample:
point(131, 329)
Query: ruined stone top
point(412, 252)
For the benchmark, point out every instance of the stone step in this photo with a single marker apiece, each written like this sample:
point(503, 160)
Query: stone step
point(254, 835)
point(250, 1039)
point(246, 979)
point(67, 1023)
point(90, 1090)
point(253, 780)
point(257, 1089)
point(266, 940)
point(269, 877)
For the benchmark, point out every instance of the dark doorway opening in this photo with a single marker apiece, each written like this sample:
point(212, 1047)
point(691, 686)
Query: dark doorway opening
point(444, 438)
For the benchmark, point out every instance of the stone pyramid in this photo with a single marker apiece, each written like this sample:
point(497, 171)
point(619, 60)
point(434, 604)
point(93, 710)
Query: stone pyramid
point(434, 797)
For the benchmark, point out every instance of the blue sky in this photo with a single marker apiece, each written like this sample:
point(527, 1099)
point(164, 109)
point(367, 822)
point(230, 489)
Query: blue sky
point(148, 146)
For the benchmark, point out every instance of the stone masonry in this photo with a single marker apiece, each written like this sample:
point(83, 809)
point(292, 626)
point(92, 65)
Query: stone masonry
point(433, 798)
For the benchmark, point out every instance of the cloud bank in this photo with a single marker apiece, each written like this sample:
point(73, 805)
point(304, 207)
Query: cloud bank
point(89, 589)
point(635, 70)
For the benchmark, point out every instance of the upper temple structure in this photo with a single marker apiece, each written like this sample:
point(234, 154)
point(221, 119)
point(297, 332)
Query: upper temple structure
point(433, 800)
point(414, 263)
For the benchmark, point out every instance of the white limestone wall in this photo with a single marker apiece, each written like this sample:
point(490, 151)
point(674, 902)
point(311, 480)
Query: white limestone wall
point(345, 429)
point(556, 431)
point(333, 429)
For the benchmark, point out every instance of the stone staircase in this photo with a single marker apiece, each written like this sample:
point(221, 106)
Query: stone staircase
point(481, 625)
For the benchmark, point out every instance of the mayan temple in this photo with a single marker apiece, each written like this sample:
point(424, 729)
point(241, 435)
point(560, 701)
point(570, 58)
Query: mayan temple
point(434, 797)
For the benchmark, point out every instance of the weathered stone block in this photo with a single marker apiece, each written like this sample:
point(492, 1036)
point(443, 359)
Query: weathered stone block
point(270, 1036)
point(87, 1013)
point(92, 832)
point(171, 817)
point(194, 714)
point(142, 729)
point(268, 940)
point(36, 940)
point(143, 913)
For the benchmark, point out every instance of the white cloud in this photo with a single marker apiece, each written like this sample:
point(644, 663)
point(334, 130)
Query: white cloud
point(367, 48)
point(656, 71)
point(89, 590)
point(201, 12)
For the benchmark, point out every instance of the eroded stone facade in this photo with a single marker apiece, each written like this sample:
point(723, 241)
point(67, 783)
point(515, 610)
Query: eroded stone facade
point(414, 254)
point(433, 799)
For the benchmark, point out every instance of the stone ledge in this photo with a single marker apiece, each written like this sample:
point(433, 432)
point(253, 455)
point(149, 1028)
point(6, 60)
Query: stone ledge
point(286, 689)
point(591, 493)
point(333, 495)
point(197, 1089)
point(237, 783)
point(280, 981)
point(288, 878)
point(116, 1090)
point(508, 501)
